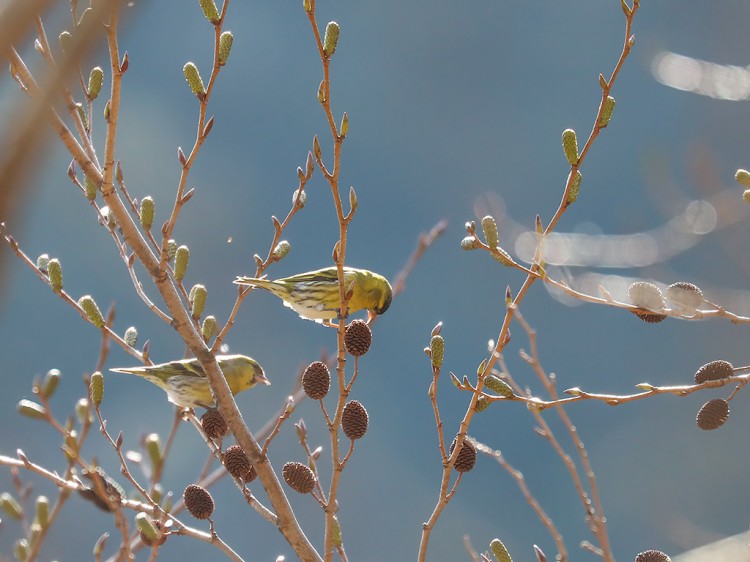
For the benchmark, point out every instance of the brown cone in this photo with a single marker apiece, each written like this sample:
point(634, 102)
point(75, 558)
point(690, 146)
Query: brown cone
point(198, 501)
point(299, 477)
point(713, 414)
point(214, 425)
point(467, 457)
point(652, 556)
point(354, 420)
point(316, 380)
point(236, 461)
point(358, 338)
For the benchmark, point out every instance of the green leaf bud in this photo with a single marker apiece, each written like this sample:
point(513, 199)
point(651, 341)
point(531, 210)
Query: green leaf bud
point(146, 526)
point(131, 336)
point(31, 409)
point(499, 551)
point(322, 91)
point(210, 10)
point(316, 148)
point(489, 227)
point(96, 79)
point(146, 213)
point(41, 262)
point(96, 388)
point(627, 10)
point(353, 201)
point(570, 146)
point(181, 259)
point(90, 187)
point(344, 127)
point(746, 196)
point(302, 197)
point(437, 348)
point(101, 542)
point(54, 271)
point(66, 41)
point(469, 243)
point(92, 311)
point(208, 328)
point(49, 385)
point(107, 110)
point(21, 550)
point(499, 386)
point(171, 249)
point(10, 506)
point(575, 187)
point(225, 46)
point(331, 38)
point(602, 82)
point(197, 300)
point(742, 177)
point(307, 6)
point(82, 410)
point(42, 511)
point(154, 450)
point(281, 250)
point(609, 107)
point(194, 79)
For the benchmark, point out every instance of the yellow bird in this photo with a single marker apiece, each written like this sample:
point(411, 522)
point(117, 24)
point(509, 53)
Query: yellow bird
point(315, 295)
point(186, 384)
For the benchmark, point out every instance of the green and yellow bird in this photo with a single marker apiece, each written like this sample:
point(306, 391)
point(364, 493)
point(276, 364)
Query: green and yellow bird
point(186, 384)
point(315, 295)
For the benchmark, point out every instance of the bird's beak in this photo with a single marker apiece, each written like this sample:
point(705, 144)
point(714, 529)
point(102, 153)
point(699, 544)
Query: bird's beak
point(371, 316)
point(261, 379)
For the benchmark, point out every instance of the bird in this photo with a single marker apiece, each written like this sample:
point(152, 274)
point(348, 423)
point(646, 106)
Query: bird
point(314, 295)
point(186, 384)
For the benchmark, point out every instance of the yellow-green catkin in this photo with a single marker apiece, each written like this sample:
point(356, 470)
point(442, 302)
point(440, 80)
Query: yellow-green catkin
point(499, 551)
point(66, 41)
point(574, 188)
point(742, 177)
point(146, 213)
point(153, 448)
point(502, 256)
point(499, 386)
point(42, 511)
point(50, 383)
point(31, 409)
point(92, 311)
point(10, 506)
point(91, 188)
point(469, 243)
point(131, 336)
point(331, 38)
point(437, 348)
point(54, 271)
point(181, 259)
point(96, 79)
point(171, 249)
point(41, 262)
point(336, 538)
point(146, 526)
point(281, 250)
point(609, 107)
point(21, 550)
point(96, 388)
point(225, 46)
point(194, 79)
point(570, 146)
point(197, 298)
point(208, 328)
point(82, 410)
point(209, 10)
point(489, 227)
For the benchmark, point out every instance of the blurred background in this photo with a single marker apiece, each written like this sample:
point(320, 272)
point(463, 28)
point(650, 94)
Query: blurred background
point(456, 111)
